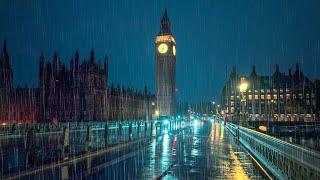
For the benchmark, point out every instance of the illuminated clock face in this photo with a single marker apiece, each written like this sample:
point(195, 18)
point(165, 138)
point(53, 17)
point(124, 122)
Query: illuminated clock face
point(174, 50)
point(163, 48)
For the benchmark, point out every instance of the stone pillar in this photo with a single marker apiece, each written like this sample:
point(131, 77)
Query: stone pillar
point(65, 143)
point(89, 138)
point(30, 146)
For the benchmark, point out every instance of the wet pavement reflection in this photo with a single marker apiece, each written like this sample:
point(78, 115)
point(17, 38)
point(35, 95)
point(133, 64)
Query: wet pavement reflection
point(198, 150)
point(201, 151)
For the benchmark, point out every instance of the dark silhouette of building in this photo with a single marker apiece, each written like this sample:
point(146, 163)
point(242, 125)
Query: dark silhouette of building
point(17, 105)
point(165, 69)
point(279, 97)
point(75, 93)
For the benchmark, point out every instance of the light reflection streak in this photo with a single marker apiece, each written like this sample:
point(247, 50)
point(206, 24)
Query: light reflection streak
point(237, 171)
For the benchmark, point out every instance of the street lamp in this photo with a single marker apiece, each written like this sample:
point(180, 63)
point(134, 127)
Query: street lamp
point(243, 87)
point(157, 113)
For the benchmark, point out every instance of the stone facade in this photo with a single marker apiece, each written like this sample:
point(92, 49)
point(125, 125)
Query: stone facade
point(78, 92)
point(279, 97)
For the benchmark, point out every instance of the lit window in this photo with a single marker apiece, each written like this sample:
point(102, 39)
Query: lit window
point(275, 96)
point(288, 96)
point(256, 97)
point(268, 96)
point(250, 97)
point(262, 97)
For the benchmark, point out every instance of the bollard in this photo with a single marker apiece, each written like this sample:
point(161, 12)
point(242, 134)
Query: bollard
point(65, 143)
point(30, 147)
point(106, 134)
point(130, 130)
point(89, 138)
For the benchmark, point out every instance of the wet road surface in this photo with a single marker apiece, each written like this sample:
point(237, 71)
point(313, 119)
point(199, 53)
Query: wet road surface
point(200, 150)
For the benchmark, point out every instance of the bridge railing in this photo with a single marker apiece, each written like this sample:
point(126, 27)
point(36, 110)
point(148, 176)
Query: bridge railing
point(283, 159)
point(21, 129)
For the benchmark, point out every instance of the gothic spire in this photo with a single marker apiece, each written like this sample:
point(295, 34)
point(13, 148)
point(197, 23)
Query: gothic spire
point(106, 64)
point(165, 24)
point(5, 54)
point(253, 72)
point(92, 56)
point(77, 54)
point(5, 47)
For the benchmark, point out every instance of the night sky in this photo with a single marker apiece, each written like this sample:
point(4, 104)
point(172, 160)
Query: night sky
point(211, 35)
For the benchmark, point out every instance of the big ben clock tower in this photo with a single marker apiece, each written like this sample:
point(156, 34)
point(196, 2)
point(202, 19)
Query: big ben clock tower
point(165, 69)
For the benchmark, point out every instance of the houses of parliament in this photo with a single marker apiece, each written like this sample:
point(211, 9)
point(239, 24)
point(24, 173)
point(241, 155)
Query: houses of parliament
point(78, 92)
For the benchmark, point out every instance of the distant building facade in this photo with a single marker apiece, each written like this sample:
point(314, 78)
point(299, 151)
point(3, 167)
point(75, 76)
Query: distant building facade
point(76, 93)
point(278, 97)
point(165, 69)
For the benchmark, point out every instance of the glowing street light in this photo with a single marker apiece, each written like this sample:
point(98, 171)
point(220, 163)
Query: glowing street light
point(243, 87)
point(157, 113)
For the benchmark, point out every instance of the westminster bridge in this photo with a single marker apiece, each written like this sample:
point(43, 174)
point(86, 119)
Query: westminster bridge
point(142, 149)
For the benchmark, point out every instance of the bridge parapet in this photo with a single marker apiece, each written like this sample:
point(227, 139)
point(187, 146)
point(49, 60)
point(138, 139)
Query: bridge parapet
point(282, 159)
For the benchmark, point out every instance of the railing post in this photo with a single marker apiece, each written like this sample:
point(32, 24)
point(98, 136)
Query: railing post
point(65, 145)
point(130, 130)
point(30, 147)
point(89, 138)
point(138, 129)
point(151, 128)
point(119, 129)
point(106, 134)
point(145, 128)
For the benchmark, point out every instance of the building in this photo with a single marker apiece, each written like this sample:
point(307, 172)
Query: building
point(165, 69)
point(75, 93)
point(278, 97)
point(17, 105)
point(78, 92)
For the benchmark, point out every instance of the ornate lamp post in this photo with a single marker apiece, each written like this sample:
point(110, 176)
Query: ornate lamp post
point(243, 89)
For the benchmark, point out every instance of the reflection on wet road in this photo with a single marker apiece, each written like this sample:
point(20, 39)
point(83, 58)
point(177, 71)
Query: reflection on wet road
point(201, 151)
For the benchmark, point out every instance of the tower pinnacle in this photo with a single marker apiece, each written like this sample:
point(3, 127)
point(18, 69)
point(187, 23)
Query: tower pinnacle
point(165, 24)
